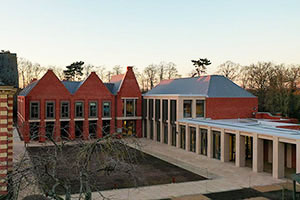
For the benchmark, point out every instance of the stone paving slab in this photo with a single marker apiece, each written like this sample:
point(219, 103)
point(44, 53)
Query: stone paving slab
point(192, 197)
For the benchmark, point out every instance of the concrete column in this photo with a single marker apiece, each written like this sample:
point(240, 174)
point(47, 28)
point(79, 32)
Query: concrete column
point(187, 137)
point(209, 143)
point(154, 121)
point(270, 151)
point(224, 146)
point(240, 149)
point(258, 155)
point(298, 156)
point(161, 122)
point(198, 140)
point(178, 136)
point(289, 155)
point(194, 108)
point(278, 158)
point(148, 128)
point(169, 124)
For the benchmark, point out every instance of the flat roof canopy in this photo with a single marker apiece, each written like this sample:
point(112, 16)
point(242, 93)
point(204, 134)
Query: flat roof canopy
point(261, 126)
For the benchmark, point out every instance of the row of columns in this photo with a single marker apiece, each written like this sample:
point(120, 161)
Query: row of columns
point(277, 149)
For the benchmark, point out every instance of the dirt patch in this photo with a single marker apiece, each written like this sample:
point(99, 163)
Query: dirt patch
point(143, 170)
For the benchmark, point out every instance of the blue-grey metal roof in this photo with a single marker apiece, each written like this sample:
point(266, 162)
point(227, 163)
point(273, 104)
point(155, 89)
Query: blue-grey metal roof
point(208, 86)
point(110, 87)
point(26, 90)
point(72, 86)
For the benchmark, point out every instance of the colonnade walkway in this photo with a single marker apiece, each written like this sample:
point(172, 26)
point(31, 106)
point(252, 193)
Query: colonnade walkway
point(222, 176)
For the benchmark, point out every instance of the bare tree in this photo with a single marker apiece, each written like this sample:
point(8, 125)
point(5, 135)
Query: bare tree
point(59, 72)
point(229, 69)
point(101, 70)
point(87, 69)
point(171, 70)
point(58, 168)
point(28, 71)
point(150, 73)
point(117, 70)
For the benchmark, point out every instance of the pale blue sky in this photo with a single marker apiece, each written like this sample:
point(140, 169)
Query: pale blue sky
point(58, 32)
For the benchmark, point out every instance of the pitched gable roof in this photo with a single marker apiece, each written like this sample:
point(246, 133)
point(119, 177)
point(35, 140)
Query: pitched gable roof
point(116, 80)
point(208, 86)
point(27, 89)
point(72, 86)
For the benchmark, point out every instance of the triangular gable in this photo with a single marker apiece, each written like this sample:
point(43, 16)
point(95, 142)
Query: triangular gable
point(47, 85)
point(130, 83)
point(92, 86)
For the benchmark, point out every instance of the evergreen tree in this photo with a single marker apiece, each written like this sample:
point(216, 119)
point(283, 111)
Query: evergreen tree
point(200, 66)
point(74, 71)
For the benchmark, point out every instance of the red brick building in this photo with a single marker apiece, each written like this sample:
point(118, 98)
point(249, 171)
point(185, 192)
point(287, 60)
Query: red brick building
point(89, 109)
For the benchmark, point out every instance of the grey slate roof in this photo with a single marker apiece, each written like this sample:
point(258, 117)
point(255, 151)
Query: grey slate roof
point(26, 90)
point(72, 86)
point(116, 87)
point(110, 87)
point(208, 86)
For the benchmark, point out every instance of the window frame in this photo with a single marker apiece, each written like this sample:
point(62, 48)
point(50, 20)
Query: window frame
point(90, 116)
point(46, 113)
point(200, 100)
point(38, 110)
point(191, 108)
point(134, 112)
point(109, 102)
point(61, 104)
point(75, 113)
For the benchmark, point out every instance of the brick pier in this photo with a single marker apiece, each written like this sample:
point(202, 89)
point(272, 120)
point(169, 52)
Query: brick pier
point(6, 135)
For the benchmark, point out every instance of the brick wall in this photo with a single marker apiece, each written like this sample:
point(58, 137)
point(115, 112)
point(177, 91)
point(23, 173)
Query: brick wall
point(231, 108)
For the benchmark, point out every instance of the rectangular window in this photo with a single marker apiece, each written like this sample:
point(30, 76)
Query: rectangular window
point(50, 109)
point(158, 131)
point(200, 108)
point(157, 109)
point(65, 109)
point(144, 112)
point(106, 109)
point(150, 109)
point(182, 136)
point(79, 109)
point(165, 110)
point(216, 144)
point(173, 111)
point(165, 133)
point(151, 129)
point(174, 139)
point(93, 109)
point(187, 108)
point(203, 133)
point(193, 139)
point(34, 110)
point(129, 107)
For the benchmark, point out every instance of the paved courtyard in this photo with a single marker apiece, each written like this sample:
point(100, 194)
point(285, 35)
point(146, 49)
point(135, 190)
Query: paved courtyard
point(222, 176)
